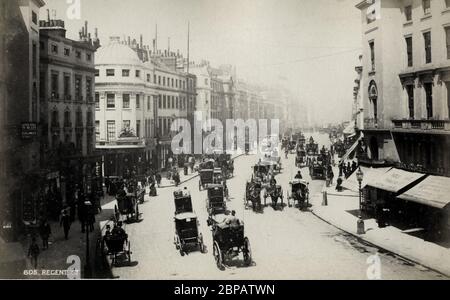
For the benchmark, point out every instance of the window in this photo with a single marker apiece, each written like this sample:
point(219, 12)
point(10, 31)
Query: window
point(138, 73)
point(66, 51)
point(138, 128)
point(67, 122)
point(164, 81)
point(408, 13)
point(159, 102)
point(426, 6)
point(67, 86)
point(447, 3)
point(109, 72)
point(78, 54)
point(110, 101)
point(126, 100)
point(88, 56)
point(126, 124)
point(409, 51)
point(447, 34)
point(79, 119)
point(149, 103)
point(125, 73)
point(154, 78)
point(97, 100)
point(173, 101)
point(176, 103)
point(168, 102)
point(164, 102)
point(54, 49)
point(159, 80)
point(148, 77)
point(97, 130)
point(172, 81)
point(78, 95)
point(410, 92)
point(42, 45)
point(54, 85)
point(34, 17)
point(89, 88)
point(429, 99)
point(111, 130)
point(372, 54)
point(138, 101)
point(97, 72)
point(427, 42)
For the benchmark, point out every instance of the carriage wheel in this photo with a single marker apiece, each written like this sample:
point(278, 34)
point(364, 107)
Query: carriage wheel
point(181, 249)
point(247, 252)
point(218, 256)
point(176, 241)
point(201, 244)
point(129, 252)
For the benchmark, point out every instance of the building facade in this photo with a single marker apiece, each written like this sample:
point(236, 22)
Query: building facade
point(19, 118)
point(67, 112)
point(406, 108)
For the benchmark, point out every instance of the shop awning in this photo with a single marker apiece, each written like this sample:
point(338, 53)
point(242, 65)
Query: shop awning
point(395, 180)
point(433, 191)
point(350, 150)
point(370, 174)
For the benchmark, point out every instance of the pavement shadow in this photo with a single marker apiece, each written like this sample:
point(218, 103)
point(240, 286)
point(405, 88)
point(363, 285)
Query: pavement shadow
point(239, 263)
point(357, 213)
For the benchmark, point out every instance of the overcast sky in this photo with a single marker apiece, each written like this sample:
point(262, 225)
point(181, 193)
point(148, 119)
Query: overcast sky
point(313, 44)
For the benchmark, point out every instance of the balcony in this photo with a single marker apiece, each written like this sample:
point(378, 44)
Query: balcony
point(422, 125)
point(54, 126)
point(371, 123)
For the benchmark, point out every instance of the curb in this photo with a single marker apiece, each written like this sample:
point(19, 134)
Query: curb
point(387, 249)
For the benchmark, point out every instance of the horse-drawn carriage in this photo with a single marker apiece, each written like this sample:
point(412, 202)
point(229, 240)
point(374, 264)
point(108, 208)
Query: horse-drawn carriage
point(261, 171)
point(215, 203)
point(317, 170)
point(299, 193)
point(275, 192)
point(187, 235)
point(128, 205)
point(300, 158)
point(116, 245)
point(228, 242)
point(253, 194)
point(206, 171)
point(312, 148)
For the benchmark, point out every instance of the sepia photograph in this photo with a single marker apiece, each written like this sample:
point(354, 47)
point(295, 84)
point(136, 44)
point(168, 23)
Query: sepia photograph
point(241, 141)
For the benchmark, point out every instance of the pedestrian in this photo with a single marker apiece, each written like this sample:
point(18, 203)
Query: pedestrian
point(349, 169)
point(65, 223)
point(331, 175)
point(354, 166)
point(90, 221)
point(45, 231)
point(33, 252)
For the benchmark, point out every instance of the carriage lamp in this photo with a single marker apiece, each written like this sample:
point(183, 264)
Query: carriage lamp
point(359, 177)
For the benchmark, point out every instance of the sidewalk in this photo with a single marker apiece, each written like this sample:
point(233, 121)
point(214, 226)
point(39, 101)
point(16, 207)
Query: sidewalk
point(342, 212)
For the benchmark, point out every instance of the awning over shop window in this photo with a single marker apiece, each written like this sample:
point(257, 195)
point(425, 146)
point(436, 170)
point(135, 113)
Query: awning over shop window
point(433, 191)
point(395, 180)
point(351, 149)
point(370, 174)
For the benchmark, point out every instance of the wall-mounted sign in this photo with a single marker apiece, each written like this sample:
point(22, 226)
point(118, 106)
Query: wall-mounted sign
point(28, 130)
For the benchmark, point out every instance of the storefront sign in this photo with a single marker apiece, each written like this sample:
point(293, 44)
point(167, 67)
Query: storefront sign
point(28, 130)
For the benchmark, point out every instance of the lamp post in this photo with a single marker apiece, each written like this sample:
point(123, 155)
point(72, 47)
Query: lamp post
point(359, 177)
point(87, 265)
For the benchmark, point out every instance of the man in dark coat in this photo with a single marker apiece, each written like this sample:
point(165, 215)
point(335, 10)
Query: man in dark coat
point(45, 231)
point(65, 223)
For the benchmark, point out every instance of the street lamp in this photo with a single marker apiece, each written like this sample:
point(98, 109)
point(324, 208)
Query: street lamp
point(87, 265)
point(359, 177)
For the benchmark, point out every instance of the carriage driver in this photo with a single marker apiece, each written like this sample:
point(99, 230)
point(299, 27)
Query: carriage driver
point(119, 231)
point(232, 220)
point(299, 175)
